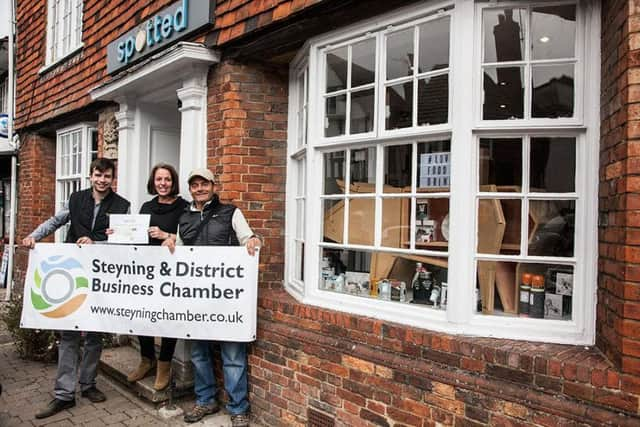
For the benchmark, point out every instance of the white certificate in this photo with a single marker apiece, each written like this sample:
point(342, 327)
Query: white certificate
point(129, 229)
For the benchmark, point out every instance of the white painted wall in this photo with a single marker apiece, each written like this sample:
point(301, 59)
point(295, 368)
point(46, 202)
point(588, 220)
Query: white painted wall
point(4, 18)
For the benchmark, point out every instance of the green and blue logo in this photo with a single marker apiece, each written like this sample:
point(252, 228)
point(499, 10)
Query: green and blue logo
point(60, 286)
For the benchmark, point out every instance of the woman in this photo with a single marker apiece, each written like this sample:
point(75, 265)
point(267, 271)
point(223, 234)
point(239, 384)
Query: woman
point(165, 210)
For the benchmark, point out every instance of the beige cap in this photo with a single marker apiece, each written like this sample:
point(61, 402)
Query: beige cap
point(202, 173)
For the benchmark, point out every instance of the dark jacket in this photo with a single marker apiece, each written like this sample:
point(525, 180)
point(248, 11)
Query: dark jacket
point(217, 232)
point(81, 204)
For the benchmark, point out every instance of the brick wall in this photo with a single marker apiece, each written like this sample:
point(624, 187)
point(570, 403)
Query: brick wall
point(36, 192)
point(235, 18)
point(618, 314)
point(361, 371)
point(247, 114)
point(65, 87)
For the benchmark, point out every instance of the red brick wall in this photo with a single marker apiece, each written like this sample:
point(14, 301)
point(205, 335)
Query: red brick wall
point(36, 192)
point(618, 314)
point(363, 372)
point(65, 87)
point(247, 115)
point(235, 18)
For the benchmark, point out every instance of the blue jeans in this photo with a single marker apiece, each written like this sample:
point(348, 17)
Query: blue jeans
point(234, 369)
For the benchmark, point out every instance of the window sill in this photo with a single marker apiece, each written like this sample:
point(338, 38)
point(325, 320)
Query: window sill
point(578, 372)
point(59, 61)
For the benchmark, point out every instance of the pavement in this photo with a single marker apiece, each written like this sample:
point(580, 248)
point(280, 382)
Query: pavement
point(28, 387)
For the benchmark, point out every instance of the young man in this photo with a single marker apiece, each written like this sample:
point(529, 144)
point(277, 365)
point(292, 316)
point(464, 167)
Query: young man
point(229, 228)
point(87, 212)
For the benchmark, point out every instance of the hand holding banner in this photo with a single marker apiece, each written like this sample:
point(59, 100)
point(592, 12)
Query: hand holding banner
point(202, 292)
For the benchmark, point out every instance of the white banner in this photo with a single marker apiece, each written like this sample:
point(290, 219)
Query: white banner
point(202, 292)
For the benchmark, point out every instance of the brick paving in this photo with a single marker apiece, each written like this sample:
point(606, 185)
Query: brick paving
point(28, 387)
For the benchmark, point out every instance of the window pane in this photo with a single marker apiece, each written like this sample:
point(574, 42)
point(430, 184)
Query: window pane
point(396, 214)
point(400, 54)
point(362, 111)
point(302, 179)
point(434, 166)
point(94, 144)
point(433, 100)
point(553, 32)
point(553, 165)
point(363, 170)
point(385, 276)
point(552, 227)
point(552, 91)
point(399, 106)
point(503, 93)
point(337, 69)
point(432, 224)
point(397, 168)
point(542, 291)
point(499, 228)
point(500, 164)
point(434, 45)
point(299, 260)
point(361, 221)
point(333, 221)
point(363, 65)
point(334, 172)
point(504, 34)
point(300, 219)
point(336, 115)
point(339, 266)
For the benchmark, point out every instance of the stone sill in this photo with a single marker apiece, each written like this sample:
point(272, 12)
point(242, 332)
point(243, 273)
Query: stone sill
point(523, 371)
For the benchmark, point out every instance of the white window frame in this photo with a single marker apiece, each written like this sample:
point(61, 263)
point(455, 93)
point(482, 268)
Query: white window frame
point(464, 129)
point(296, 188)
point(85, 131)
point(64, 29)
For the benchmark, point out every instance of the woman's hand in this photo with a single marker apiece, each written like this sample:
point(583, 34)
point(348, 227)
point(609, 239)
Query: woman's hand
point(156, 233)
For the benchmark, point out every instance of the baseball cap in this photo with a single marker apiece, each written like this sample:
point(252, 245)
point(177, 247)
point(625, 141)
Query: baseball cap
point(202, 173)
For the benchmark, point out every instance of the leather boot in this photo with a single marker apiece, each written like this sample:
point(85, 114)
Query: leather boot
point(163, 375)
point(144, 368)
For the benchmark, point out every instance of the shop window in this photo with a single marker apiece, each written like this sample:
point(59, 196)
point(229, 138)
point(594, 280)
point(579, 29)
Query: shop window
point(76, 148)
point(526, 213)
point(529, 62)
point(64, 28)
point(421, 214)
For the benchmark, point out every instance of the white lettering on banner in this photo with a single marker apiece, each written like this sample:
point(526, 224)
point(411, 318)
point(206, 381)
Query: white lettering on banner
point(196, 293)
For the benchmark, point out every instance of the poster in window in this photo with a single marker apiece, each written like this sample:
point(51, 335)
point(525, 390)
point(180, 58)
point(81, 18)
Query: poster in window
point(435, 169)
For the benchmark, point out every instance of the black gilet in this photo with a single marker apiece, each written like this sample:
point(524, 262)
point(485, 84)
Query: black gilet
point(217, 232)
point(164, 215)
point(81, 204)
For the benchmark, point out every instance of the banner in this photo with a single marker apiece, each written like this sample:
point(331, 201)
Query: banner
point(202, 292)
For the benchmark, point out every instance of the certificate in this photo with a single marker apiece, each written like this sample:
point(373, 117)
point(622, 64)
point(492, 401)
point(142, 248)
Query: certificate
point(129, 229)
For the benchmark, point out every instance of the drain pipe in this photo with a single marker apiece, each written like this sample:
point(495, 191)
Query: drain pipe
point(14, 158)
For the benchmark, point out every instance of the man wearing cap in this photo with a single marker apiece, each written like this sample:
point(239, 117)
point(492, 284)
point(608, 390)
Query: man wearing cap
point(207, 222)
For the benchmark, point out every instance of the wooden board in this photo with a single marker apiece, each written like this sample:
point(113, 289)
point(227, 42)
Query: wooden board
point(491, 226)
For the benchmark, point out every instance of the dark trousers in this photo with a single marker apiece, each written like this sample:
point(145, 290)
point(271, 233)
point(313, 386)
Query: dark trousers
point(167, 347)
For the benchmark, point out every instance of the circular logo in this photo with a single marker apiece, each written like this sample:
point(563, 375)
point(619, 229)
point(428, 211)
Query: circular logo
point(141, 40)
point(60, 286)
point(4, 125)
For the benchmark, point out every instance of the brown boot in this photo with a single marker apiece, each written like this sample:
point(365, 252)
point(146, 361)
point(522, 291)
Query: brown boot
point(163, 375)
point(144, 368)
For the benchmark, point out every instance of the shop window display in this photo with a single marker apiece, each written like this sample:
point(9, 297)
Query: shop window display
point(449, 202)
